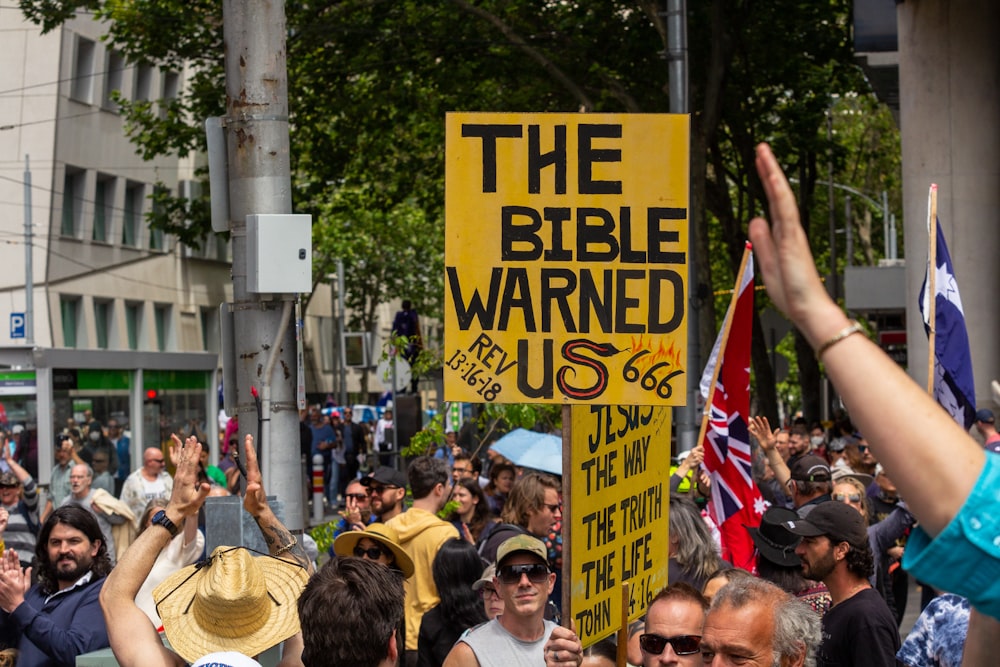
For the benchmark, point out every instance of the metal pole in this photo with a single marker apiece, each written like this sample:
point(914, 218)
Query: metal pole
point(833, 215)
point(677, 58)
point(29, 272)
point(257, 145)
point(885, 222)
point(340, 332)
point(849, 231)
point(395, 407)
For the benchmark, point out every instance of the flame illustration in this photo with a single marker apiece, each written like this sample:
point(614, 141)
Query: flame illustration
point(657, 353)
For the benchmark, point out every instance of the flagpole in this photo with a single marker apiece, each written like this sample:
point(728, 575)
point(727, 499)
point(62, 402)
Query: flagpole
point(722, 346)
point(931, 293)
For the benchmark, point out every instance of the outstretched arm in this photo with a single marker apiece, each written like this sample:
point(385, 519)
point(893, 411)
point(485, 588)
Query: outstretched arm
point(280, 542)
point(133, 638)
point(910, 433)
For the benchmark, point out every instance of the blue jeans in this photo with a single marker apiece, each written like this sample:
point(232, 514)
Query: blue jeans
point(332, 482)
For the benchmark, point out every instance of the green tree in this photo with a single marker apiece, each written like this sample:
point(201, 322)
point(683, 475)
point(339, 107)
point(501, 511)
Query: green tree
point(371, 80)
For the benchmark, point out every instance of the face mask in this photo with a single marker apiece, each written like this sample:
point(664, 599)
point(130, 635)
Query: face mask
point(816, 440)
point(95, 436)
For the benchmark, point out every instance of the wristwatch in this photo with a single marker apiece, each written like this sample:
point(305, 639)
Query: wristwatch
point(161, 519)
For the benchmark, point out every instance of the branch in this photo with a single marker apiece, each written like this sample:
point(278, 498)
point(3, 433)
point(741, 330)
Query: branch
point(616, 88)
point(533, 53)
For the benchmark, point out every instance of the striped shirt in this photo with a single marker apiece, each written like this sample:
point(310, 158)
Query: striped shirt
point(18, 535)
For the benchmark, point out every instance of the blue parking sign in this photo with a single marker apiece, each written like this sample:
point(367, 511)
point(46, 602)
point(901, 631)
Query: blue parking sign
point(17, 325)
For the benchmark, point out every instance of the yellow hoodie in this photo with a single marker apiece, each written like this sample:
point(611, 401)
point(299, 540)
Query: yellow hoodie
point(421, 535)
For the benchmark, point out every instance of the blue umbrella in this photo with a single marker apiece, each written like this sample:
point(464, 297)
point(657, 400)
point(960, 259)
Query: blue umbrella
point(529, 449)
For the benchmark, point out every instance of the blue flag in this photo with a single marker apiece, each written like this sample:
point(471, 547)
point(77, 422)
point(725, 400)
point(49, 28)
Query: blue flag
point(954, 387)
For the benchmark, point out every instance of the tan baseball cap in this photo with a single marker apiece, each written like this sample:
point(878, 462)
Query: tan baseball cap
point(522, 543)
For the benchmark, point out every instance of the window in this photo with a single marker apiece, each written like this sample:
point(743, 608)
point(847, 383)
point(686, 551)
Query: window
point(114, 76)
point(143, 83)
point(134, 194)
point(133, 324)
point(156, 241)
point(74, 184)
point(104, 206)
point(171, 88)
point(102, 322)
point(81, 88)
point(162, 315)
point(210, 329)
point(69, 307)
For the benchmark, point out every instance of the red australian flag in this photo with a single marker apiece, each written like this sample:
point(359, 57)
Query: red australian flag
point(735, 500)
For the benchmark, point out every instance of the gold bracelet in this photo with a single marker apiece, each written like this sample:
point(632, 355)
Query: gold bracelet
point(853, 328)
point(287, 547)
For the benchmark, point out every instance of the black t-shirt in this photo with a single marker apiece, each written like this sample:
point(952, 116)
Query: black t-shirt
point(859, 632)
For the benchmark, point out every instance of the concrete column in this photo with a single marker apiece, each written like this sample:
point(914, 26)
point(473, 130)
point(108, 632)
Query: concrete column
point(949, 80)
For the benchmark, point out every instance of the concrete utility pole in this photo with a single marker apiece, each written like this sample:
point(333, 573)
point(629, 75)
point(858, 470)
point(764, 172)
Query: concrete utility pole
point(256, 127)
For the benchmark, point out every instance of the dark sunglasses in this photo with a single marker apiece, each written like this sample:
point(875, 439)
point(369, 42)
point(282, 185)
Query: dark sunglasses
point(358, 496)
point(374, 553)
point(488, 592)
point(683, 644)
point(511, 574)
point(379, 490)
point(862, 448)
point(851, 497)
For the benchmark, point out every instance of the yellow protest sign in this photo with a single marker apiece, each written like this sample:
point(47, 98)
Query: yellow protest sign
point(620, 492)
point(566, 252)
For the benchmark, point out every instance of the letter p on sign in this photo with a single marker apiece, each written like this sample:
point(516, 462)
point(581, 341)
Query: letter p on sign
point(17, 325)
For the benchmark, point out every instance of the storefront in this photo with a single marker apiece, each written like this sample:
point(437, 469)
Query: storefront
point(44, 392)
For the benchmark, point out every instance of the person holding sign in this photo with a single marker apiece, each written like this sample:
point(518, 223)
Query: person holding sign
point(520, 635)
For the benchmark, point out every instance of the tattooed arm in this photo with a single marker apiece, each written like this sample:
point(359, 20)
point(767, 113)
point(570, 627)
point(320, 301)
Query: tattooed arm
point(278, 537)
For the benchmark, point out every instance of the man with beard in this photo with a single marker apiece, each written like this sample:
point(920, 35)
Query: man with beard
point(858, 629)
point(59, 618)
point(107, 509)
point(387, 489)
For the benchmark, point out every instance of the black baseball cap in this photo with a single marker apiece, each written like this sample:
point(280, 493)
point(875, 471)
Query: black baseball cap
point(385, 475)
point(810, 468)
point(838, 521)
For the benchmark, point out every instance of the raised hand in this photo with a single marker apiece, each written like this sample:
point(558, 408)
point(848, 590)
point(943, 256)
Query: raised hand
point(760, 428)
point(786, 263)
point(188, 494)
point(255, 500)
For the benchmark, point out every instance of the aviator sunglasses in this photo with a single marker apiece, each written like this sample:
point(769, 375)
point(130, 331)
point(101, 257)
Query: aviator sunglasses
point(683, 644)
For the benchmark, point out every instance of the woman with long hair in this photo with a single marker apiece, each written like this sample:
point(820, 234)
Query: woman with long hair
point(473, 513)
point(501, 481)
point(694, 555)
point(456, 568)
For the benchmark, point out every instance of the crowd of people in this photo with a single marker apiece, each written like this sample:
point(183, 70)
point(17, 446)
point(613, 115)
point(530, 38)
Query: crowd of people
point(403, 585)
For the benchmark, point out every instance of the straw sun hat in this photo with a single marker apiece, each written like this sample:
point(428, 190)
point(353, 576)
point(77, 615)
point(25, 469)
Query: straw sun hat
point(233, 602)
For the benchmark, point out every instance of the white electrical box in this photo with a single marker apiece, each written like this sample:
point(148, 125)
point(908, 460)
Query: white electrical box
point(279, 253)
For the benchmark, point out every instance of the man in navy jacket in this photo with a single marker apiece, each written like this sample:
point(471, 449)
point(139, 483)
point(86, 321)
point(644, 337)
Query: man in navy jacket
point(59, 618)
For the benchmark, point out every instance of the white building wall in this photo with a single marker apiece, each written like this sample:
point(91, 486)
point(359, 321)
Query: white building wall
point(66, 125)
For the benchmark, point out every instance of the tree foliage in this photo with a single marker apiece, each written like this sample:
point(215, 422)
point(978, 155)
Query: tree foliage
point(370, 82)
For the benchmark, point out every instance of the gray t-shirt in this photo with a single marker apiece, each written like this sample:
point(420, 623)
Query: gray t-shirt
point(495, 647)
